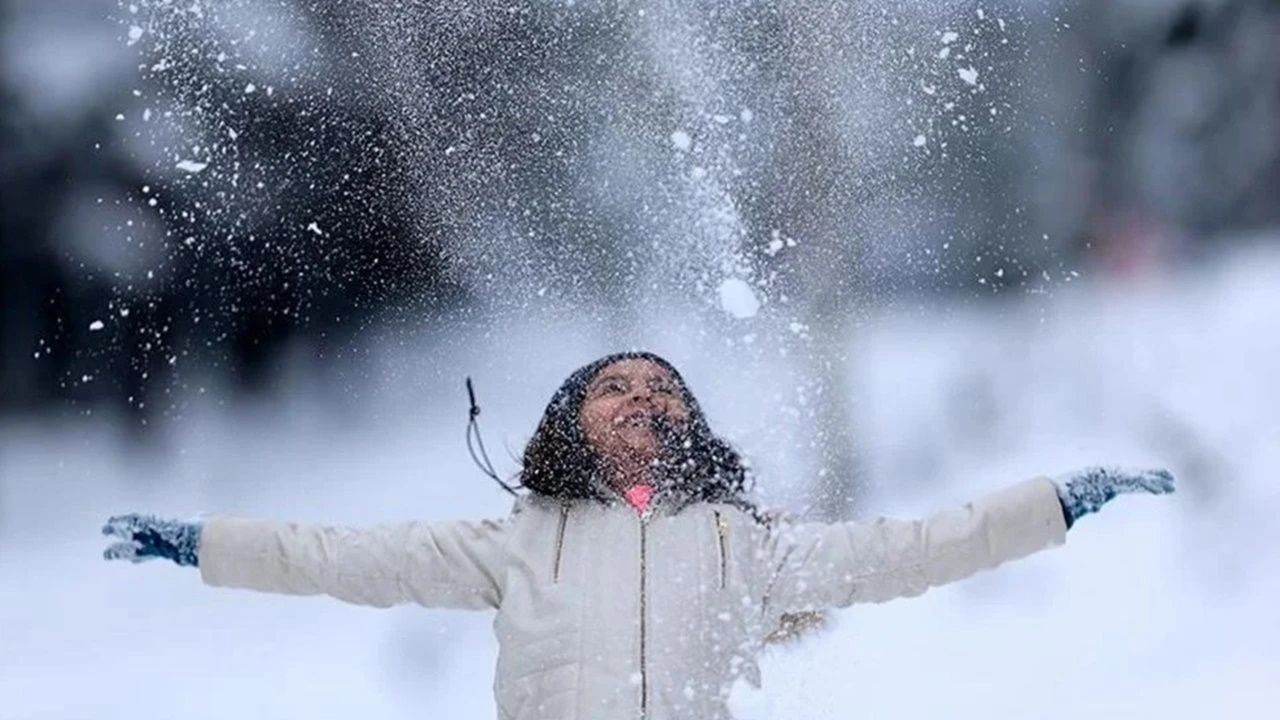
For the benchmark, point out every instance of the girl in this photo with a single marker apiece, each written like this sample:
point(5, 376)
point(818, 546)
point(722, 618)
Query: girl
point(635, 578)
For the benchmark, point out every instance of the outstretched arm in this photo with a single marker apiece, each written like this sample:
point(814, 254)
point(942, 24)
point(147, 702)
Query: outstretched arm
point(820, 565)
point(455, 564)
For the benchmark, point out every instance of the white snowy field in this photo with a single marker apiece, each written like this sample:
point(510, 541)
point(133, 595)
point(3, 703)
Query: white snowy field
point(1158, 607)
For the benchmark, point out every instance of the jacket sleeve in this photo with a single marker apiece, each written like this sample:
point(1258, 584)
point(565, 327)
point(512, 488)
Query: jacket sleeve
point(452, 565)
point(821, 565)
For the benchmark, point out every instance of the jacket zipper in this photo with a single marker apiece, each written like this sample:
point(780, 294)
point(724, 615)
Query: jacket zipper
point(564, 519)
point(722, 534)
point(644, 677)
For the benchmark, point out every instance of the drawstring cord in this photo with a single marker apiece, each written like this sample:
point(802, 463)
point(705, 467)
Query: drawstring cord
point(481, 458)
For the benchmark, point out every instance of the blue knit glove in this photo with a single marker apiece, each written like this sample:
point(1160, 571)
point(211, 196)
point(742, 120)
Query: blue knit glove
point(144, 537)
point(1085, 491)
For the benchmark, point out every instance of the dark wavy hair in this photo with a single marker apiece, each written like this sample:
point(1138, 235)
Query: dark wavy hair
point(560, 463)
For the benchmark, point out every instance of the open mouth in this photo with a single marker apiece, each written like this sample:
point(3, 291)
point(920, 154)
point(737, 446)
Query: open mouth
point(639, 418)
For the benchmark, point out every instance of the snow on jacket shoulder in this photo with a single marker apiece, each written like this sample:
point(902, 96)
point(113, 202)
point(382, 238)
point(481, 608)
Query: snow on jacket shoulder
point(603, 614)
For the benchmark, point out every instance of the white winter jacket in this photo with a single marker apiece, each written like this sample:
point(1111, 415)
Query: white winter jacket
point(604, 614)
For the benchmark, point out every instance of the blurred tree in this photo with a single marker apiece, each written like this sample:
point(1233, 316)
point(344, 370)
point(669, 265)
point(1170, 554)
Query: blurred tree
point(1178, 126)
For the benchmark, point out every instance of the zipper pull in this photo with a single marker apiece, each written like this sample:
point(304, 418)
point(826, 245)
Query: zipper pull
point(722, 540)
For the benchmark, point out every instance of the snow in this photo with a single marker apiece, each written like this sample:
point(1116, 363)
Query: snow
point(949, 400)
point(737, 298)
point(1159, 607)
point(748, 702)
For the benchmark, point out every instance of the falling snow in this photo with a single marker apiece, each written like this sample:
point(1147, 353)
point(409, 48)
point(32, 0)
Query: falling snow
point(737, 298)
point(682, 166)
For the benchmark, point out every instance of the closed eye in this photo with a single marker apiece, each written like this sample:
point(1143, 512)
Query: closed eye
point(610, 386)
point(663, 387)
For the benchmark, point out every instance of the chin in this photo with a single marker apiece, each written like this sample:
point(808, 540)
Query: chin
point(643, 449)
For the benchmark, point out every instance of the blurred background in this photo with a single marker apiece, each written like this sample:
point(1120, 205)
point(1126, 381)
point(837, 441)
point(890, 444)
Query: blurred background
point(905, 253)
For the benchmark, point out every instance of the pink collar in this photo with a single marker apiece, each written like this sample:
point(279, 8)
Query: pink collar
point(639, 496)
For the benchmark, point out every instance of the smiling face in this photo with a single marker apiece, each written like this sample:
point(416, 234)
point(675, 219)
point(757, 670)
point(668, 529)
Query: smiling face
point(619, 411)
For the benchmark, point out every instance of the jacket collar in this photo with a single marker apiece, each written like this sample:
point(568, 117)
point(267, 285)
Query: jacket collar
point(665, 500)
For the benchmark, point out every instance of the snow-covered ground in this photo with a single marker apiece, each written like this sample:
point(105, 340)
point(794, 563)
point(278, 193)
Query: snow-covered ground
point(1156, 607)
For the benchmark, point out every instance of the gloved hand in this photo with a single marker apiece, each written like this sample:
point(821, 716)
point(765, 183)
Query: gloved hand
point(1085, 491)
point(145, 537)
